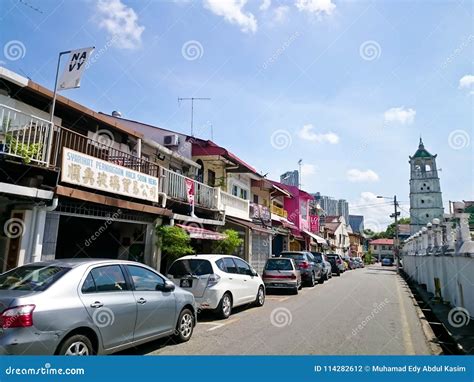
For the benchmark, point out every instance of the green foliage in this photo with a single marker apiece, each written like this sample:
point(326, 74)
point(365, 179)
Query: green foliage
point(389, 232)
point(230, 244)
point(368, 258)
point(174, 242)
point(26, 151)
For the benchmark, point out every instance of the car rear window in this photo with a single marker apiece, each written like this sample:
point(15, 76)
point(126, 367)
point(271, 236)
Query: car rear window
point(196, 267)
point(295, 256)
point(32, 277)
point(279, 265)
point(318, 257)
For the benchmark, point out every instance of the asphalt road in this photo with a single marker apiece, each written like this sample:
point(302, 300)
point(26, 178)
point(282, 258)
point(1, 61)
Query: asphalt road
point(364, 311)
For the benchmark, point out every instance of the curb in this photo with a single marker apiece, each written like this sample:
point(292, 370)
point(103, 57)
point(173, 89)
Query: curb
point(431, 339)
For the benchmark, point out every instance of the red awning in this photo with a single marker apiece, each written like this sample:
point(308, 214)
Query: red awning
point(201, 233)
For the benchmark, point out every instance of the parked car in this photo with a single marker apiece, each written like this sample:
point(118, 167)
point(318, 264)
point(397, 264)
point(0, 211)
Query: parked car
point(218, 282)
point(349, 262)
point(337, 264)
point(360, 262)
point(310, 270)
point(282, 273)
point(387, 261)
point(89, 306)
point(320, 259)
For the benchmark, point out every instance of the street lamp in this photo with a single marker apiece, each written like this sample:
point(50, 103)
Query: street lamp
point(394, 215)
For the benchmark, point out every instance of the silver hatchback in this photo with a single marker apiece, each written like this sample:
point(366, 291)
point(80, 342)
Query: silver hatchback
point(89, 306)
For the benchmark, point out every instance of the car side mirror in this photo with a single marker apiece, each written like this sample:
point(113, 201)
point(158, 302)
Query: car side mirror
point(168, 286)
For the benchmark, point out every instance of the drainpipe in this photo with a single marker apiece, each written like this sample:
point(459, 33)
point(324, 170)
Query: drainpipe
point(35, 221)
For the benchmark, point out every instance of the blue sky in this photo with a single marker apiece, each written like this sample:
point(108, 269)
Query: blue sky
point(346, 86)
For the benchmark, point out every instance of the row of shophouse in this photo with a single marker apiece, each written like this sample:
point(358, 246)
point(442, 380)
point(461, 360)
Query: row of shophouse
point(96, 185)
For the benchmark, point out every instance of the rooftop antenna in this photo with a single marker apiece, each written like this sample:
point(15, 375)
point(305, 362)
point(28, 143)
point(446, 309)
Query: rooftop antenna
point(192, 99)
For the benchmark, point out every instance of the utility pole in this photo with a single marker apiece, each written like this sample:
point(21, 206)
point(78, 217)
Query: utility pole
point(192, 99)
point(396, 246)
point(396, 239)
point(299, 173)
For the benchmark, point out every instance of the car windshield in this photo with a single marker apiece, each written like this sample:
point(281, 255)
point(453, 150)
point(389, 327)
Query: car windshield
point(318, 257)
point(195, 267)
point(279, 265)
point(295, 256)
point(32, 277)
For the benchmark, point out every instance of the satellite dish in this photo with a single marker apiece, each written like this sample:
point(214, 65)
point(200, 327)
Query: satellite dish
point(117, 114)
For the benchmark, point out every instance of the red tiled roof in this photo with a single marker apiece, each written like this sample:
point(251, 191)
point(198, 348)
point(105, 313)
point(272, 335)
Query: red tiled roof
point(382, 242)
point(206, 148)
point(293, 190)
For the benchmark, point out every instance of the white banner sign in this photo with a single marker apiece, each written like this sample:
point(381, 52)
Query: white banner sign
point(71, 77)
point(86, 171)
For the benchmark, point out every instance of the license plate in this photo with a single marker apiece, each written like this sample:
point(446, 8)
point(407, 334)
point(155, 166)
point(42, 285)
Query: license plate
point(186, 283)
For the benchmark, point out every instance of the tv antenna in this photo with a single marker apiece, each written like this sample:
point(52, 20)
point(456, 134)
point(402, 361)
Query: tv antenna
point(192, 99)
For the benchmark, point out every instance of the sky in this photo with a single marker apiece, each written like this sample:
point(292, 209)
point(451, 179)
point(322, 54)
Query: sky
point(348, 87)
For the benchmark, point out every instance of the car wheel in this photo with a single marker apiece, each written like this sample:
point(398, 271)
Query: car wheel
point(260, 300)
point(312, 280)
point(225, 306)
point(184, 326)
point(77, 344)
point(338, 272)
point(321, 280)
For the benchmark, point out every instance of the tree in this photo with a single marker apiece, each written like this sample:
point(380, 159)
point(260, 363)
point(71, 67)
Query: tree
point(230, 244)
point(174, 243)
point(368, 258)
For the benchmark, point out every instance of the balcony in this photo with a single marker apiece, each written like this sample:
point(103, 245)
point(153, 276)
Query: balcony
point(233, 205)
point(27, 137)
point(24, 136)
point(279, 211)
point(175, 185)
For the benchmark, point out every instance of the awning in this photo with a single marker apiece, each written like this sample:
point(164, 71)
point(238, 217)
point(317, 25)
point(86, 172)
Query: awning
point(201, 233)
point(317, 238)
point(284, 222)
point(252, 226)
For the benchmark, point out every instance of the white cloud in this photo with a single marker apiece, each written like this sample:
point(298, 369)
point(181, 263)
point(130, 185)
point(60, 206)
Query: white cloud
point(376, 211)
point(121, 22)
point(316, 6)
point(355, 175)
point(265, 5)
point(466, 82)
point(400, 114)
point(307, 133)
point(308, 169)
point(232, 11)
point(281, 13)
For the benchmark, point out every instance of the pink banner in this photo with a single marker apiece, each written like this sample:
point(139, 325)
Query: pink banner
point(190, 190)
point(314, 223)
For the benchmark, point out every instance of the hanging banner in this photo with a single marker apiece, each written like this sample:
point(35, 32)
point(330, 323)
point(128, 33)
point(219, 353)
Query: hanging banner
point(71, 77)
point(190, 190)
point(314, 223)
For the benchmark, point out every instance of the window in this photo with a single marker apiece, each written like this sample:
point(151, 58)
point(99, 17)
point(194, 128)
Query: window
point(144, 279)
point(211, 178)
point(427, 215)
point(196, 267)
point(422, 201)
point(220, 264)
point(108, 279)
point(304, 209)
point(375, 247)
point(31, 277)
point(428, 188)
point(244, 268)
point(383, 248)
point(89, 284)
point(230, 265)
point(255, 199)
point(240, 192)
point(279, 265)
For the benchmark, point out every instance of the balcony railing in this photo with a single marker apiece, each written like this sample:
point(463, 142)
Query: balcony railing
point(233, 205)
point(67, 138)
point(174, 185)
point(279, 211)
point(24, 136)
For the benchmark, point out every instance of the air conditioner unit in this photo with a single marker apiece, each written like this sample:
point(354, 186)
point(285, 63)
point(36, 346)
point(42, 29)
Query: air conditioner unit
point(171, 140)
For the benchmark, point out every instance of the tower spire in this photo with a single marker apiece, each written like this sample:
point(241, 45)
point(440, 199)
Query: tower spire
point(421, 145)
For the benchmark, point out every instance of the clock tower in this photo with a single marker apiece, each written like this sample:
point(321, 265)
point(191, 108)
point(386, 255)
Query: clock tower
point(425, 192)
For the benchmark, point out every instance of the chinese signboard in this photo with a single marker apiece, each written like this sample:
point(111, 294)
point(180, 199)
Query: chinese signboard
point(259, 212)
point(86, 171)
